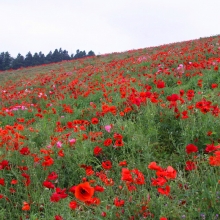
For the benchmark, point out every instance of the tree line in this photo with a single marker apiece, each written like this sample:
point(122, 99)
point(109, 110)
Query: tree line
point(7, 62)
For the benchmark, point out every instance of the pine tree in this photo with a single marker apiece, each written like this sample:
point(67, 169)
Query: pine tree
point(56, 57)
point(36, 59)
point(42, 58)
point(18, 62)
point(1, 60)
point(91, 53)
point(28, 59)
point(49, 58)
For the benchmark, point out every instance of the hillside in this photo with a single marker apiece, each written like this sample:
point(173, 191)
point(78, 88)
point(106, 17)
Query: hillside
point(130, 135)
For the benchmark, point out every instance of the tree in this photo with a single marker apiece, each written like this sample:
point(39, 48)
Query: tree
point(28, 59)
point(18, 62)
point(1, 60)
point(42, 58)
point(7, 61)
point(65, 55)
point(56, 57)
point(49, 58)
point(36, 59)
point(79, 54)
point(91, 53)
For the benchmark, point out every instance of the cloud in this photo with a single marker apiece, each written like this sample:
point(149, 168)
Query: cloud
point(103, 26)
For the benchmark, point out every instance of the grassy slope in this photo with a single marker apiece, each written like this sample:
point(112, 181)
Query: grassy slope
point(151, 131)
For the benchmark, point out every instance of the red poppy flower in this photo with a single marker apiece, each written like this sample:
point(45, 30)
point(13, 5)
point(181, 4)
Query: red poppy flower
point(14, 181)
point(99, 188)
point(153, 166)
point(95, 121)
point(160, 84)
point(214, 85)
point(107, 165)
point(84, 191)
point(118, 202)
point(190, 165)
point(210, 148)
point(26, 206)
point(117, 136)
point(107, 142)
point(48, 185)
point(173, 98)
point(191, 148)
point(52, 176)
point(119, 143)
point(160, 181)
point(139, 177)
point(126, 175)
point(24, 151)
point(123, 163)
point(73, 204)
point(164, 191)
point(2, 181)
point(58, 217)
point(58, 195)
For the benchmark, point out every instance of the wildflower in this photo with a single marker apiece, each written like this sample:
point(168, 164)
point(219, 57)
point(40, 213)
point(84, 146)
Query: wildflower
point(52, 176)
point(107, 142)
point(48, 185)
point(26, 206)
point(164, 191)
point(119, 143)
point(190, 165)
point(95, 121)
point(59, 144)
point(209, 133)
point(173, 98)
point(99, 188)
point(84, 191)
point(2, 181)
point(118, 202)
point(126, 175)
point(153, 166)
point(24, 151)
point(73, 205)
point(161, 84)
point(108, 128)
point(93, 201)
point(107, 165)
point(103, 214)
point(214, 85)
point(48, 161)
point(59, 194)
point(72, 141)
point(210, 148)
point(58, 217)
point(169, 173)
point(123, 163)
point(97, 151)
point(160, 181)
point(191, 148)
point(14, 181)
point(139, 179)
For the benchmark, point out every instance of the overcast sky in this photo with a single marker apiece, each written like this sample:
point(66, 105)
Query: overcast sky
point(103, 26)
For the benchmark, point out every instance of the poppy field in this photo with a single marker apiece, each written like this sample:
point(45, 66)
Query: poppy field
point(132, 135)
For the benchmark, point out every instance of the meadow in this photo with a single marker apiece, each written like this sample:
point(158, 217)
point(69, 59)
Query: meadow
point(132, 135)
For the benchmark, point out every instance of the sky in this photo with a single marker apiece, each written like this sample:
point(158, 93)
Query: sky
point(103, 26)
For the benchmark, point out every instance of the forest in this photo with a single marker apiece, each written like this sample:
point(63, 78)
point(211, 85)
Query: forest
point(8, 62)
